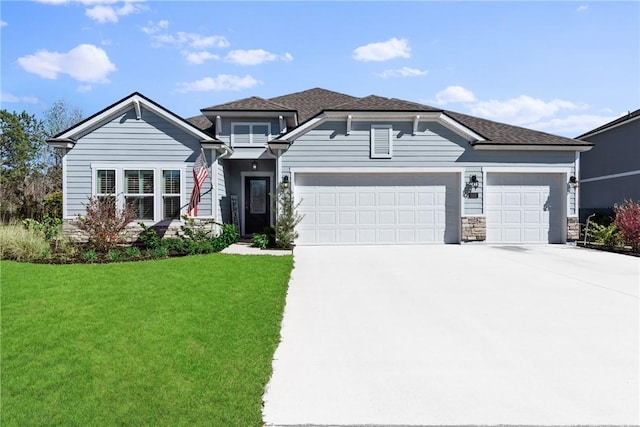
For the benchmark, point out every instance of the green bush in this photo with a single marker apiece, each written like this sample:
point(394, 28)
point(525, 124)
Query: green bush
point(91, 255)
point(260, 241)
point(149, 237)
point(132, 252)
point(114, 255)
point(607, 235)
point(49, 227)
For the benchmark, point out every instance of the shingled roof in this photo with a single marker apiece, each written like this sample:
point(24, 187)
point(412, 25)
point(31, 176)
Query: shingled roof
point(629, 116)
point(310, 103)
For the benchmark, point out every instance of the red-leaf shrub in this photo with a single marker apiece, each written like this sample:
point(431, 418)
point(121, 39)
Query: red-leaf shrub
point(628, 221)
point(104, 223)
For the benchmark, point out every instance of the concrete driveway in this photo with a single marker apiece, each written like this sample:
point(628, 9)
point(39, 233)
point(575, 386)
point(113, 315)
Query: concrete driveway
point(458, 334)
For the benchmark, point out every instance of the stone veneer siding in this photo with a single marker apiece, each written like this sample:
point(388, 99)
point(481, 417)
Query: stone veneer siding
point(573, 229)
point(474, 228)
point(70, 229)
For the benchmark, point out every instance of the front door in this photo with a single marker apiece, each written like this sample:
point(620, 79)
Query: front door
point(257, 210)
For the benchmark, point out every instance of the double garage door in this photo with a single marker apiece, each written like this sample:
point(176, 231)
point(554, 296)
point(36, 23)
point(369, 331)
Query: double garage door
point(353, 209)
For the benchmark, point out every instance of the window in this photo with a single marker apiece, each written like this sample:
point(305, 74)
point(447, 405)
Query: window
point(138, 192)
point(170, 194)
point(248, 134)
point(381, 141)
point(155, 192)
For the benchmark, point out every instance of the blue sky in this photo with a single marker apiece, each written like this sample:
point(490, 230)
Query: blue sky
point(561, 67)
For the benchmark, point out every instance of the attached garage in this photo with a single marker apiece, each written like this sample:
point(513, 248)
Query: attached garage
point(378, 208)
point(526, 208)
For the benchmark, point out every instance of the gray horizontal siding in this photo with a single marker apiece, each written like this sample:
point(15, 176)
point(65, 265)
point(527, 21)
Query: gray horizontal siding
point(150, 141)
point(433, 145)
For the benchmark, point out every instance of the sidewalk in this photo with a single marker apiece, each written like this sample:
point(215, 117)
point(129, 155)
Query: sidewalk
point(242, 248)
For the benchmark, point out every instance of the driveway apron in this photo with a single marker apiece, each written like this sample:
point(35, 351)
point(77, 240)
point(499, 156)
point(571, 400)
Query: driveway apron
point(458, 334)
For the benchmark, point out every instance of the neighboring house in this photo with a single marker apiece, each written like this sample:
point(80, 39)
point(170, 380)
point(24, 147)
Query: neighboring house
point(366, 170)
point(610, 173)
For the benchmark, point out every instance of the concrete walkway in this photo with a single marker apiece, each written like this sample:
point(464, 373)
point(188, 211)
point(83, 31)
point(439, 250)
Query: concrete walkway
point(471, 334)
point(246, 249)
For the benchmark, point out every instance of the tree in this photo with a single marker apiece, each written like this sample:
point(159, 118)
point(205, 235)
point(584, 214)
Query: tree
point(58, 118)
point(22, 139)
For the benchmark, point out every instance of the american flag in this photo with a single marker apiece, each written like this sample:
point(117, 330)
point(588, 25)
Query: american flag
point(200, 174)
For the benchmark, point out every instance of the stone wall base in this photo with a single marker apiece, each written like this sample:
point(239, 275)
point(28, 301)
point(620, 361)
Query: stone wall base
point(573, 229)
point(474, 228)
point(70, 229)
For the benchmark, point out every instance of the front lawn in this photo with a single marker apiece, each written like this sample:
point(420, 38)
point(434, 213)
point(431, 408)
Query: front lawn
point(182, 341)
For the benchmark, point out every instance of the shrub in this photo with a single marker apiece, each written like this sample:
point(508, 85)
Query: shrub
point(132, 252)
point(104, 223)
point(260, 241)
point(288, 217)
point(114, 255)
point(21, 244)
point(53, 204)
point(91, 255)
point(628, 221)
point(149, 237)
point(49, 227)
point(605, 234)
point(160, 252)
point(228, 235)
point(196, 230)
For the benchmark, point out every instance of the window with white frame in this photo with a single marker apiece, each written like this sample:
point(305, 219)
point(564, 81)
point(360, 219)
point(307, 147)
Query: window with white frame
point(154, 192)
point(139, 192)
point(171, 189)
point(250, 134)
point(381, 141)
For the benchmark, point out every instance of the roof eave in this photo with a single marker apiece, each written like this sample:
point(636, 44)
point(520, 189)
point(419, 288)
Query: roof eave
point(484, 146)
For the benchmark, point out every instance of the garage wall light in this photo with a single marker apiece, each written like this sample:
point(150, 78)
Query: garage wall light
point(285, 181)
point(254, 166)
point(573, 181)
point(473, 181)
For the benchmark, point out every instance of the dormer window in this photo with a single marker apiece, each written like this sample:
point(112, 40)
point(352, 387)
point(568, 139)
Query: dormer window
point(250, 134)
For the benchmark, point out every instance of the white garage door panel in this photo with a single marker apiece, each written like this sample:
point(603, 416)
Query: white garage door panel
point(377, 208)
point(525, 208)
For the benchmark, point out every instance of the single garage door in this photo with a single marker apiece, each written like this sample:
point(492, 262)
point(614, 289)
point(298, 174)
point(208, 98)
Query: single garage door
point(361, 209)
point(525, 208)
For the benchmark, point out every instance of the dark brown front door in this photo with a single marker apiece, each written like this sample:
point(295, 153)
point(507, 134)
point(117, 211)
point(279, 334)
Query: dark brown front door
point(257, 209)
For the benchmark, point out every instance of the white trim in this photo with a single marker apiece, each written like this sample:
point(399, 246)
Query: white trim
point(564, 172)
point(65, 193)
point(530, 147)
point(372, 141)
point(250, 144)
point(302, 129)
point(416, 121)
point(125, 105)
point(136, 105)
point(459, 128)
point(282, 123)
point(612, 176)
point(576, 189)
point(218, 126)
point(213, 176)
point(382, 170)
point(265, 174)
point(349, 117)
point(119, 169)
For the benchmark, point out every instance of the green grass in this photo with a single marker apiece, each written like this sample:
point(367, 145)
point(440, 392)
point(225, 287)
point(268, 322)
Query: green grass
point(182, 341)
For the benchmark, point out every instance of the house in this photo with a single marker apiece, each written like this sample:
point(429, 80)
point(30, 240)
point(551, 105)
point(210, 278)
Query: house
point(366, 170)
point(610, 172)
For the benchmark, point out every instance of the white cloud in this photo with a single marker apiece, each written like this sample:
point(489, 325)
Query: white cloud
point(453, 94)
point(7, 97)
point(219, 83)
point(383, 51)
point(199, 57)
point(155, 28)
point(3, 23)
point(255, 57)
point(403, 72)
point(582, 8)
point(103, 13)
point(573, 125)
point(86, 63)
point(84, 88)
point(193, 40)
point(521, 110)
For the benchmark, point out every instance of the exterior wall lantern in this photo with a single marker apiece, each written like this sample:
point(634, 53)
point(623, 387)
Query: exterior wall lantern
point(254, 166)
point(285, 181)
point(573, 181)
point(473, 181)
